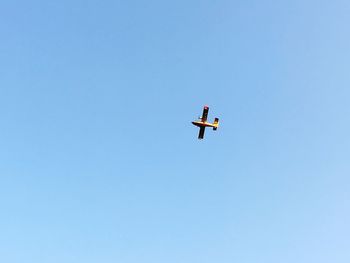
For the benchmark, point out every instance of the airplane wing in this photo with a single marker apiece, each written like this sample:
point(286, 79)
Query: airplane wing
point(201, 133)
point(205, 113)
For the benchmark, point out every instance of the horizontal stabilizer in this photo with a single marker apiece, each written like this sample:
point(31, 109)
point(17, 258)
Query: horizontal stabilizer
point(216, 124)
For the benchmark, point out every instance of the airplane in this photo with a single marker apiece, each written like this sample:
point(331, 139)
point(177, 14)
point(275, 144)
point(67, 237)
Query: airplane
point(202, 123)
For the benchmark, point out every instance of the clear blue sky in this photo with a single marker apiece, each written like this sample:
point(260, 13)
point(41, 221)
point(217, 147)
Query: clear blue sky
point(99, 161)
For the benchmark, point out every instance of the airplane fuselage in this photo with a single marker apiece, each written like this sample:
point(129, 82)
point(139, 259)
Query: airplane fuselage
point(204, 124)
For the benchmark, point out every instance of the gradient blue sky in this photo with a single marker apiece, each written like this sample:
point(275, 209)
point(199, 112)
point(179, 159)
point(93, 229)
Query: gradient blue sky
point(99, 161)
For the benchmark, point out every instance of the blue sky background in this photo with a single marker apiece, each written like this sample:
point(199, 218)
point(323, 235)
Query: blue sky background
point(99, 161)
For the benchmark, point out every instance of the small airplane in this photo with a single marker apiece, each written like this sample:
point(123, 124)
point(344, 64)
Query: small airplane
point(202, 123)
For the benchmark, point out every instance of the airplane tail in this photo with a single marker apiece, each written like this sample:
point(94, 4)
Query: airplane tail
point(216, 123)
